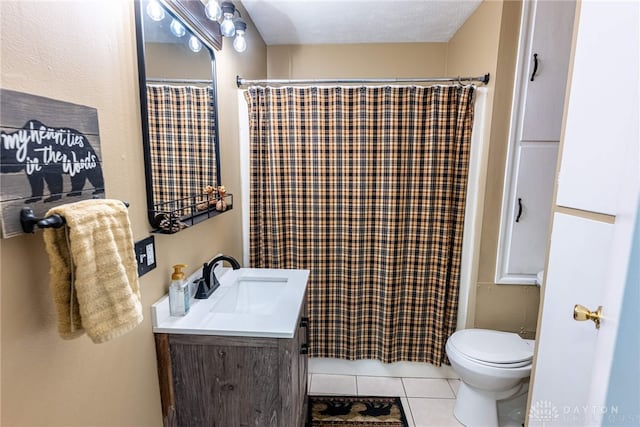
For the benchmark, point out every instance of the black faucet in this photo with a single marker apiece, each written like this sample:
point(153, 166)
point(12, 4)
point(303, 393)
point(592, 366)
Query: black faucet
point(209, 281)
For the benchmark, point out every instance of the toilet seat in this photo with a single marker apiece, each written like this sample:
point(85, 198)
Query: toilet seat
point(495, 365)
point(492, 348)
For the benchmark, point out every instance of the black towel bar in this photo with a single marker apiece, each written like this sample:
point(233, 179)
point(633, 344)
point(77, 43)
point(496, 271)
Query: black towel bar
point(29, 221)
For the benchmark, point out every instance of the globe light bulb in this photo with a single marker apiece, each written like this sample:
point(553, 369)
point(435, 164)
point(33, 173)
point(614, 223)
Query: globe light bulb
point(177, 29)
point(240, 43)
point(194, 44)
point(227, 28)
point(155, 10)
point(213, 10)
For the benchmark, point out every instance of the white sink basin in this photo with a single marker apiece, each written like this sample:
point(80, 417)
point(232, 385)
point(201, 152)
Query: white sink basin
point(249, 302)
point(252, 295)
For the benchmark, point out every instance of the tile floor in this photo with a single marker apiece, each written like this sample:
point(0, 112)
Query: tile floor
point(427, 402)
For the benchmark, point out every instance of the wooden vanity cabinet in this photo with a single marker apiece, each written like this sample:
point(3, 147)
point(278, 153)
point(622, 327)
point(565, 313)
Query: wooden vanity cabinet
point(230, 381)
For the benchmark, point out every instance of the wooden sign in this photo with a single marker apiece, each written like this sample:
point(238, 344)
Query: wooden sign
point(50, 156)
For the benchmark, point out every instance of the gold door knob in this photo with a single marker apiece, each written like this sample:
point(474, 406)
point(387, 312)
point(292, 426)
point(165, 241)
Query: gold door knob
point(580, 313)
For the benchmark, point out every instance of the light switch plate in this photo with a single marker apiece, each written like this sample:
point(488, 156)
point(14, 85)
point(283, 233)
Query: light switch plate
point(145, 255)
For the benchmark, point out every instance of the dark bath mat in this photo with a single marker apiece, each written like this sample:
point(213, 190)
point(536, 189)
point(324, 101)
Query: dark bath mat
point(356, 411)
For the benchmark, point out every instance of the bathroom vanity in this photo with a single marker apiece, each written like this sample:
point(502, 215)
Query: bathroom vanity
point(239, 357)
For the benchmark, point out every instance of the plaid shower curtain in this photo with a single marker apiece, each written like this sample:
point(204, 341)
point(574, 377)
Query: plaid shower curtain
point(365, 187)
point(181, 131)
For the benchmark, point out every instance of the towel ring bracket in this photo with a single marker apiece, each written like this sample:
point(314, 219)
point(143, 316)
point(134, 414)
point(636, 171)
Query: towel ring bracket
point(29, 221)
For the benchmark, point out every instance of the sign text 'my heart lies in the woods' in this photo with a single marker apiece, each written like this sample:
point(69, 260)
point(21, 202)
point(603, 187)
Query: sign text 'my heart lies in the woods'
point(50, 155)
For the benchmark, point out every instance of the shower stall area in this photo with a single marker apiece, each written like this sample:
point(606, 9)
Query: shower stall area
point(374, 189)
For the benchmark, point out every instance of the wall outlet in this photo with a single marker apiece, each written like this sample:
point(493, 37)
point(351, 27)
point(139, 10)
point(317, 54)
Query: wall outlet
point(145, 250)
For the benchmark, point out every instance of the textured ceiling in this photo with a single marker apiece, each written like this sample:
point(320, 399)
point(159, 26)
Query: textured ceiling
point(358, 21)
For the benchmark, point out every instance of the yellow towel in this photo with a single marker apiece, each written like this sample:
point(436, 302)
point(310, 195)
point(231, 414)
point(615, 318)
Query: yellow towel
point(94, 277)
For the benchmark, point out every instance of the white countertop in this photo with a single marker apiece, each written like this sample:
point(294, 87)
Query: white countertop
point(206, 318)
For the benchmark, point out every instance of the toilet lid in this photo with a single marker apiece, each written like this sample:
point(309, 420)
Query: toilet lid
point(493, 347)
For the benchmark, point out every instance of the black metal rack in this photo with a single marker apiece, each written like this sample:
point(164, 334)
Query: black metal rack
point(175, 215)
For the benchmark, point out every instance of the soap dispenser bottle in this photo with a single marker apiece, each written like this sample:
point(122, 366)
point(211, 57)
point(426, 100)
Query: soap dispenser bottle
point(179, 295)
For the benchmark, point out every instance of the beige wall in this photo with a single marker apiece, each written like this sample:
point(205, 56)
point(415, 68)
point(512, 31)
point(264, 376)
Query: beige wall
point(356, 60)
point(161, 61)
point(84, 52)
point(490, 39)
point(472, 51)
point(486, 43)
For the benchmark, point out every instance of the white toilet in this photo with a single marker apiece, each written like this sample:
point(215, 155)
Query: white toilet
point(493, 366)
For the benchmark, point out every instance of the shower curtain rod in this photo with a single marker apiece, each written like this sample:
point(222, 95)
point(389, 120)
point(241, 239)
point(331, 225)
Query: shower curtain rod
point(245, 82)
point(199, 81)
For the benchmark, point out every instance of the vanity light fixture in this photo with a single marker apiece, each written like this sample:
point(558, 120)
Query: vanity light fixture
point(229, 27)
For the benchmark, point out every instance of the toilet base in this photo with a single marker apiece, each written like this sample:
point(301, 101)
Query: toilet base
point(511, 412)
point(474, 408)
point(479, 408)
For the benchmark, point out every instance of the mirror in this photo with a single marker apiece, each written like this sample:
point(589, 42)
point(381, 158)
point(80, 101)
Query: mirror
point(177, 75)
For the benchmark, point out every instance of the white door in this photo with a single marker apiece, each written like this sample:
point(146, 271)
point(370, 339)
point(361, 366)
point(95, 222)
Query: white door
point(596, 208)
